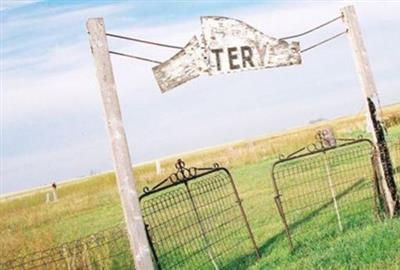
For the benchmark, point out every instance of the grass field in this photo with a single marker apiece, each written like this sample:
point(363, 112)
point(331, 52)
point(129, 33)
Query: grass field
point(85, 207)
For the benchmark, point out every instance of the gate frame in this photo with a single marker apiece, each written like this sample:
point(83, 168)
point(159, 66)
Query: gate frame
point(317, 148)
point(183, 176)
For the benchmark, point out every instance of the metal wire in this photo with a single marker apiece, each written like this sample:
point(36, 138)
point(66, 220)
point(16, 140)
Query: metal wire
point(178, 47)
point(102, 250)
point(324, 41)
point(135, 57)
point(144, 41)
point(313, 29)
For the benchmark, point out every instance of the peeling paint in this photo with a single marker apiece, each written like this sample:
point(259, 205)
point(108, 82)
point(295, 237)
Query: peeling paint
point(187, 64)
point(226, 45)
point(234, 37)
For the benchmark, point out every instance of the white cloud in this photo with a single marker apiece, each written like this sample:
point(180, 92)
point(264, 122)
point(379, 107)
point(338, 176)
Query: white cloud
point(54, 16)
point(12, 4)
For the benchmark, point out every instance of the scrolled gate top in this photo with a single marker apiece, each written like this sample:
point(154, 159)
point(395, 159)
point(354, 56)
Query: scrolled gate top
point(317, 147)
point(182, 175)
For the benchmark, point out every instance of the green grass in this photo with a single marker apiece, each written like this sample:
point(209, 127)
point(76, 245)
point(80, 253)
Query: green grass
point(375, 246)
point(28, 224)
point(346, 250)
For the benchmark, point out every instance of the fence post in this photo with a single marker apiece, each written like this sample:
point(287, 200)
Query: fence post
point(158, 167)
point(369, 89)
point(119, 146)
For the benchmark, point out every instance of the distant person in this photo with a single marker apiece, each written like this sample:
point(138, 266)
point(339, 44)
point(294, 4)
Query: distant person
point(54, 191)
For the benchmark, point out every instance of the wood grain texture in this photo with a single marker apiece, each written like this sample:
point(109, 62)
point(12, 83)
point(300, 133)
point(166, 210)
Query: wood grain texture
point(368, 87)
point(119, 146)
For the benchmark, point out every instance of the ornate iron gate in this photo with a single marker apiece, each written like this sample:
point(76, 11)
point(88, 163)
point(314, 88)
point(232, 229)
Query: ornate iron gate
point(326, 190)
point(195, 220)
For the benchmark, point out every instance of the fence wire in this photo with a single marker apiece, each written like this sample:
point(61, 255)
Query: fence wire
point(108, 249)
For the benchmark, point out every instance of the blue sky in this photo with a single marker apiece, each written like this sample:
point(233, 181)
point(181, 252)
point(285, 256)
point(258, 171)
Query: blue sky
point(52, 126)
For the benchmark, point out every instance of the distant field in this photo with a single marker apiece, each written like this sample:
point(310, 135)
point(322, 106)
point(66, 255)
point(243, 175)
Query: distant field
point(85, 207)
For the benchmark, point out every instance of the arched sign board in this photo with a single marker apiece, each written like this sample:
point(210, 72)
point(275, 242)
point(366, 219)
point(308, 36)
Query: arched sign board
point(226, 45)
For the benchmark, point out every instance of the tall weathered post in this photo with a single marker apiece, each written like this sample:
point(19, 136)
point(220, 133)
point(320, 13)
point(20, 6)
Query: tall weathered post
point(369, 89)
point(119, 146)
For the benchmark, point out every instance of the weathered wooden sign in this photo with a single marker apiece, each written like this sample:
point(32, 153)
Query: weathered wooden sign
point(187, 64)
point(232, 45)
point(226, 45)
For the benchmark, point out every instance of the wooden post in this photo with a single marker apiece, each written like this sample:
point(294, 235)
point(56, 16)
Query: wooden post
point(369, 89)
point(119, 146)
point(158, 167)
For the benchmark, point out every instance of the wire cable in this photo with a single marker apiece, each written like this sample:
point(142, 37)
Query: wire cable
point(324, 41)
point(135, 57)
point(313, 29)
point(176, 47)
point(144, 41)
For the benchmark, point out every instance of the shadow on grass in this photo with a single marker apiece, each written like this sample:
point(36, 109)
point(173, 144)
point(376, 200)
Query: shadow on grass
point(243, 262)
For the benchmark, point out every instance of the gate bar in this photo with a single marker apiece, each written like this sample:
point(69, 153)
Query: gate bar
point(278, 203)
point(333, 193)
point(246, 221)
point(202, 229)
